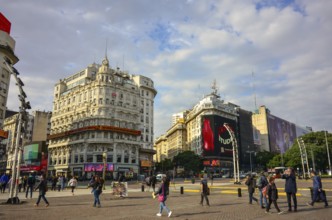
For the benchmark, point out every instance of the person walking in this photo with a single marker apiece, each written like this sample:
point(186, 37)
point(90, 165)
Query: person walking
point(261, 184)
point(317, 190)
point(153, 180)
point(54, 182)
point(25, 183)
point(59, 182)
point(72, 183)
point(97, 187)
point(31, 183)
point(3, 182)
point(272, 194)
point(251, 183)
point(162, 197)
point(290, 188)
point(204, 191)
point(42, 186)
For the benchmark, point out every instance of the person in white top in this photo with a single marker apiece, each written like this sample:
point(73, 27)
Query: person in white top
point(72, 183)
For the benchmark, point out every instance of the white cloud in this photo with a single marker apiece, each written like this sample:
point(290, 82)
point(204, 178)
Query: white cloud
point(287, 46)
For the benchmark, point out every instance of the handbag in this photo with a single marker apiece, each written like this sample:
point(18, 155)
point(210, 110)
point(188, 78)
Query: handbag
point(161, 198)
point(264, 190)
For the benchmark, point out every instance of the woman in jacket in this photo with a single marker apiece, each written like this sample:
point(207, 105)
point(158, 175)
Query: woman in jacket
point(250, 182)
point(42, 186)
point(97, 186)
point(272, 194)
point(162, 196)
point(290, 188)
point(72, 183)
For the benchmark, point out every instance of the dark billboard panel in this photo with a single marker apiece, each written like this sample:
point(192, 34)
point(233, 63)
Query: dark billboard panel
point(282, 134)
point(216, 141)
point(4, 24)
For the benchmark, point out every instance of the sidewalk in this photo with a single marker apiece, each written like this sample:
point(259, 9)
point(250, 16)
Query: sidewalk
point(140, 206)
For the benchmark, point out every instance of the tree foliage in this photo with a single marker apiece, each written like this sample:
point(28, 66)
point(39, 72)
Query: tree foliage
point(189, 161)
point(263, 158)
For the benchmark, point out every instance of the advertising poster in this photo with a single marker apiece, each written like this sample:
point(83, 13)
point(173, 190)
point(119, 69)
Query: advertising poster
point(216, 140)
point(120, 189)
point(98, 167)
point(281, 133)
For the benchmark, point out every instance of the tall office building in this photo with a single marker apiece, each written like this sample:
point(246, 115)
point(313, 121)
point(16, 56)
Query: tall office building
point(100, 112)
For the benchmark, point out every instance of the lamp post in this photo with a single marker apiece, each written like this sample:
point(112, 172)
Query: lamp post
point(328, 153)
point(105, 167)
point(250, 158)
point(13, 198)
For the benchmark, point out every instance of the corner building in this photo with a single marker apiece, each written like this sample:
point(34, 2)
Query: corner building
point(101, 112)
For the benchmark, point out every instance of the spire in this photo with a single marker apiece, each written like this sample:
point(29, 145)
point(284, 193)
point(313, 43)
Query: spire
point(105, 61)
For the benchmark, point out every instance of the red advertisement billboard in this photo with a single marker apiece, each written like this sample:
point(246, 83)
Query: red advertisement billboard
point(4, 24)
point(216, 140)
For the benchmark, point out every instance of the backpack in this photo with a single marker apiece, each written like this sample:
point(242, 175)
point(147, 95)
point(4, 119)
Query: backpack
point(259, 183)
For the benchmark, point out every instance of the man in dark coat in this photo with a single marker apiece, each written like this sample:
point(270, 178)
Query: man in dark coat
point(250, 182)
point(317, 190)
point(290, 188)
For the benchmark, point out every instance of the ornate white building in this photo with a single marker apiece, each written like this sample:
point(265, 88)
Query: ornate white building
point(101, 111)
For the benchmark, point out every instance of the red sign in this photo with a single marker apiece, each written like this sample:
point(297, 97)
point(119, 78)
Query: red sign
point(4, 24)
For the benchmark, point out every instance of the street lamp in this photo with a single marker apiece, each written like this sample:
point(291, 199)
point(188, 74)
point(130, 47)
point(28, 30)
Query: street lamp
point(328, 153)
point(13, 198)
point(105, 166)
point(250, 158)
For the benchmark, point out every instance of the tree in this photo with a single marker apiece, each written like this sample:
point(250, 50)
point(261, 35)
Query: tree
point(164, 166)
point(275, 161)
point(189, 161)
point(263, 158)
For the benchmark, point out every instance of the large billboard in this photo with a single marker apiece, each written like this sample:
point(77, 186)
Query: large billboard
point(4, 24)
point(282, 134)
point(216, 140)
point(35, 156)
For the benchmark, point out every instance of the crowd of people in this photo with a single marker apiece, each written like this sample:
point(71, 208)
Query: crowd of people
point(267, 190)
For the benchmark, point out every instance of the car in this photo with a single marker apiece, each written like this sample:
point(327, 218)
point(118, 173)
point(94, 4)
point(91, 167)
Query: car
point(159, 177)
point(227, 175)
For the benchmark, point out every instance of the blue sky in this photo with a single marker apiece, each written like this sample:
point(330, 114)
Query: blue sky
point(183, 45)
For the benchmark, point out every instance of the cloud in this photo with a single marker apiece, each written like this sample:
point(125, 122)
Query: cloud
point(183, 46)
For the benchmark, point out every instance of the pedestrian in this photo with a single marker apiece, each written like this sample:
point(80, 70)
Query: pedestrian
point(42, 186)
point(290, 188)
point(212, 177)
point(3, 182)
point(251, 183)
point(20, 183)
point(72, 183)
point(31, 183)
point(261, 184)
point(25, 183)
point(162, 197)
point(204, 191)
point(54, 183)
point(153, 181)
point(97, 187)
point(317, 190)
point(272, 194)
point(63, 183)
point(59, 183)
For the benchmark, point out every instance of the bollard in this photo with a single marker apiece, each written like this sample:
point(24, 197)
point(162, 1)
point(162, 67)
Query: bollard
point(142, 188)
point(239, 192)
point(181, 190)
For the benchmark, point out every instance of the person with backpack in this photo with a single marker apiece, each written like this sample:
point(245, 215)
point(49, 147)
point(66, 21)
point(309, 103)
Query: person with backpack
point(251, 183)
point(31, 183)
point(42, 186)
point(261, 184)
point(204, 191)
point(290, 187)
point(272, 194)
point(317, 190)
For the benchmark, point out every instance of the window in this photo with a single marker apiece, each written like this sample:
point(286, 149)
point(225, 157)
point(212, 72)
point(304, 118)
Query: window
point(99, 158)
point(89, 158)
point(118, 160)
point(81, 159)
point(126, 159)
point(133, 160)
point(109, 158)
point(76, 159)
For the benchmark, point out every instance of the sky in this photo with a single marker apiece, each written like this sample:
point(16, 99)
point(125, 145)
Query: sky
point(277, 50)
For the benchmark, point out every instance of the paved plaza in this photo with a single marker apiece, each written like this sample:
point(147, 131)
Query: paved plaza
point(224, 200)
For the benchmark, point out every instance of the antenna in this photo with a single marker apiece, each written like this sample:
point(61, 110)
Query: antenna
point(214, 87)
point(254, 88)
